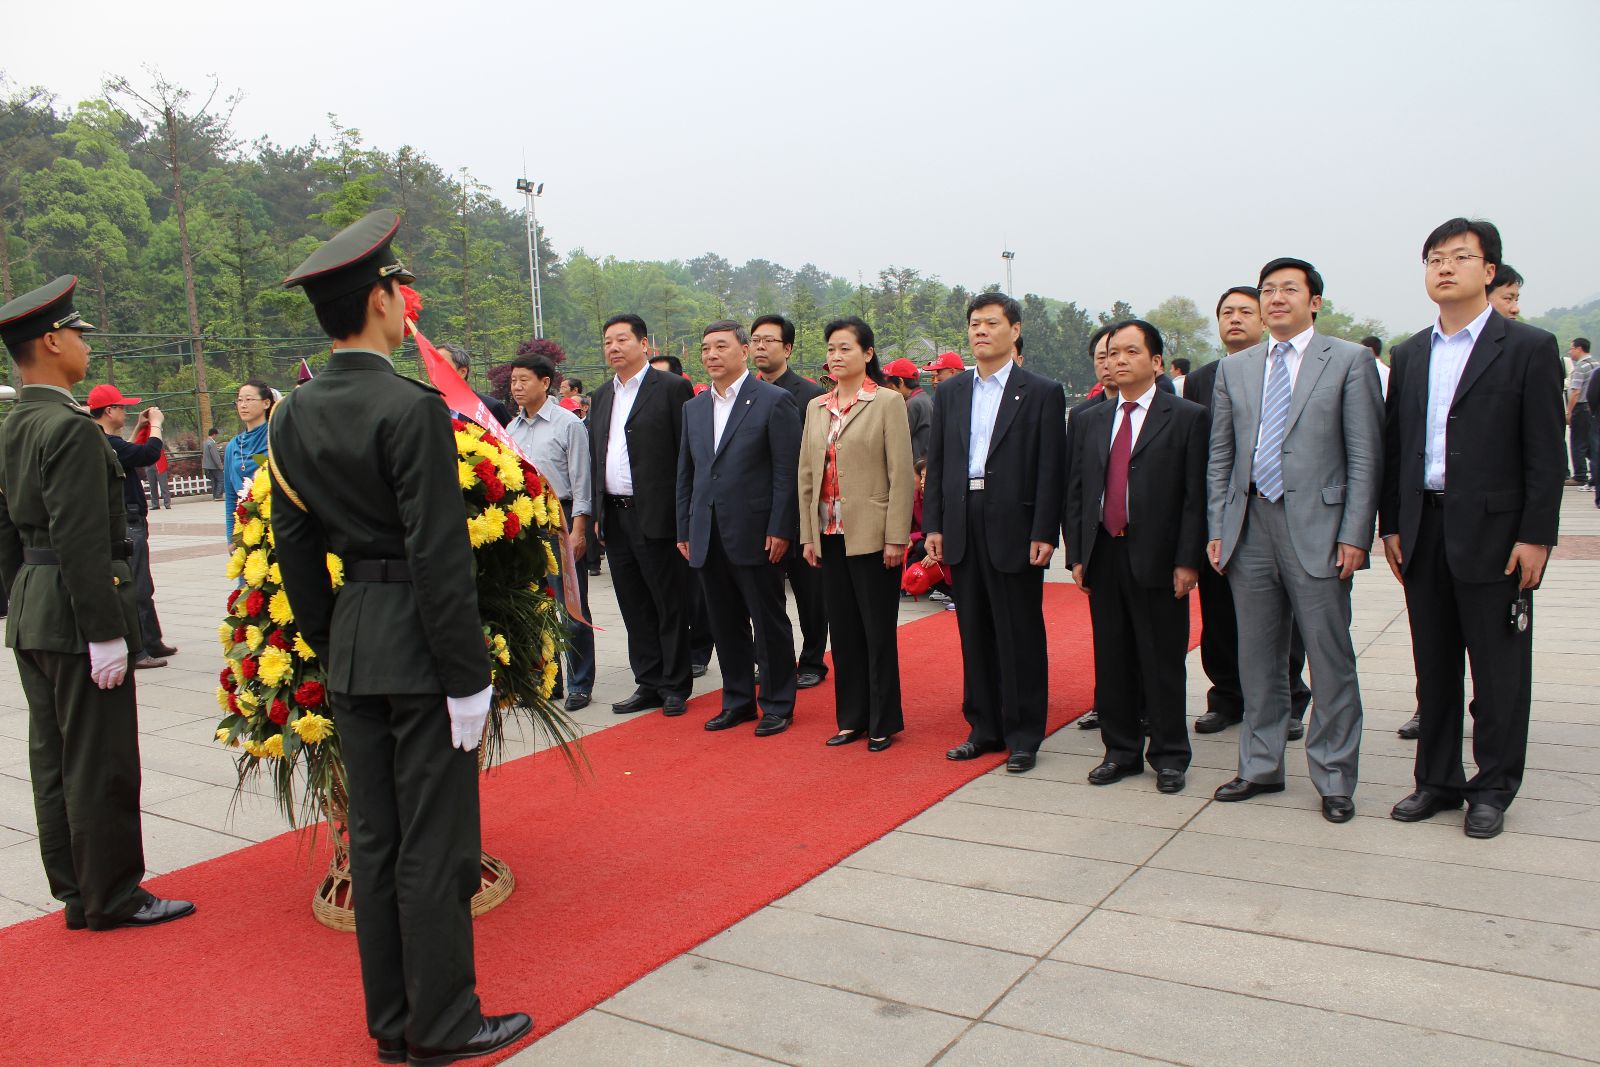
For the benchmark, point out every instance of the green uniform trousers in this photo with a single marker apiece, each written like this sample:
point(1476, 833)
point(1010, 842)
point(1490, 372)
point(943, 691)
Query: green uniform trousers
point(414, 859)
point(83, 752)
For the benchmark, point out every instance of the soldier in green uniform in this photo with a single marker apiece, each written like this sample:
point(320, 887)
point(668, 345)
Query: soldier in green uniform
point(73, 622)
point(363, 464)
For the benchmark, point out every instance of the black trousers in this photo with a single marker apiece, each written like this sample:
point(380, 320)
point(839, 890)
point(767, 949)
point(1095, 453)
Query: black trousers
point(414, 853)
point(144, 584)
point(83, 757)
point(1579, 435)
point(1219, 652)
point(1004, 662)
point(737, 599)
point(1141, 640)
point(811, 606)
point(651, 579)
point(1451, 619)
point(863, 598)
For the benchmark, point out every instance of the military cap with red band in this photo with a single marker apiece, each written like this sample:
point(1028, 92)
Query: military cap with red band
point(353, 259)
point(44, 310)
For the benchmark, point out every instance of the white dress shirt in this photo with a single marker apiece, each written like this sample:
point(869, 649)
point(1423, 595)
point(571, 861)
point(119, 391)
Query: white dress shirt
point(986, 396)
point(557, 442)
point(722, 407)
point(1138, 415)
point(1383, 377)
point(619, 468)
point(1447, 361)
point(1292, 359)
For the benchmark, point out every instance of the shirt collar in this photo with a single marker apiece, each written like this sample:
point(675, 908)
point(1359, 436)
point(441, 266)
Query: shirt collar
point(543, 412)
point(631, 383)
point(999, 377)
point(1300, 341)
point(54, 389)
point(1472, 329)
point(1144, 401)
point(733, 390)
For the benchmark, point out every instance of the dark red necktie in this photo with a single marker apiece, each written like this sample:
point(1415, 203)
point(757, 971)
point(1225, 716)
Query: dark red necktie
point(1114, 514)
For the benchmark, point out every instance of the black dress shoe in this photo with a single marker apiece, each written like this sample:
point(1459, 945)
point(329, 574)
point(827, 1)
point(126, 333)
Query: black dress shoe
point(641, 700)
point(698, 670)
point(1109, 772)
point(1170, 781)
point(1239, 789)
point(494, 1034)
point(878, 744)
point(726, 719)
point(577, 701)
point(1020, 762)
point(808, 679)
point(1089, 720)
point(845, 737)
point(1412, 728)
point(391, 1050)
point(772, 724)
point(673, 706)
point(154, 912)
point(1338, 809)
point(162, 651)
point(1484, 820)
point(1423, 804)
point(967, 750)
point(1297, 730)
point(1214, 722)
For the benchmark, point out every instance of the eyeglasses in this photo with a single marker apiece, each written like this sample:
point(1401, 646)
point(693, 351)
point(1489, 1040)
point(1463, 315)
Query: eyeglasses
point(762, 341)
point(1459, 260)
point(250, 400)
point(1290, 291)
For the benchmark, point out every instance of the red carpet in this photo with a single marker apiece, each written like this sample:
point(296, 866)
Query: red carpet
point(678, 835)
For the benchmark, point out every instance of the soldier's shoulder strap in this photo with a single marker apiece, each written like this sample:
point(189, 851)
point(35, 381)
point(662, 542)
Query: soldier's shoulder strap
point(275, 471)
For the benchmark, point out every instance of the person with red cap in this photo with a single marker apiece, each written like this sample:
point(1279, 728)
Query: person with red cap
point(948, 365)
point(904, 378)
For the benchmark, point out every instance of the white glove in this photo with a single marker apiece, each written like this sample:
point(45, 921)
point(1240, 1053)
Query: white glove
point(467, 716)
point(108, 662)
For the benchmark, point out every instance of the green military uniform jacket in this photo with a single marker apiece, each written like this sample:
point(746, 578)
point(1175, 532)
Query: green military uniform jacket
point(61, 488)
point(364, 465)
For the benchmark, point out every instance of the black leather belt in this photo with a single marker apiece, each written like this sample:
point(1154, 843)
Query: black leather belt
point(619, 501)
point(1432, 499)
point(48, 557)
point(1256, 492)
point(378, 570)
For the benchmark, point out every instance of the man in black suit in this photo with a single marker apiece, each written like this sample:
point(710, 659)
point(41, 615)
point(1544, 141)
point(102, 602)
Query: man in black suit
point(1239, 327)
point(992, 510)
point(1089, 720)
point(772, 338)
point(1136, 543)
point(738, 515)
point(635, 427)
point(462, 359)
point(1468, 514)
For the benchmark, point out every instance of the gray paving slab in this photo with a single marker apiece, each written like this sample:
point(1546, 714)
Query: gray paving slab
point(1075, 798)
point(986, 1045)
point(1071, 879)
point(1040, 831)
point(600, 1039)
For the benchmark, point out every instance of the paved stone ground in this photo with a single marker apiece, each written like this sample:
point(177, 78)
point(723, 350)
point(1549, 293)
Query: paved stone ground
point(1036, 919)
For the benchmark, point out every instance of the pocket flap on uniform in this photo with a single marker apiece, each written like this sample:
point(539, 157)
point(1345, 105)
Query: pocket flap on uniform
point(1510, 500)
point(1333, 494)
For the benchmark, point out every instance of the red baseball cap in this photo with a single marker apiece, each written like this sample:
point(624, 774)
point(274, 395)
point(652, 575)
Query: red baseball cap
point(105, 396)
point(570, 403)
point(947, 361)
point(902, 368)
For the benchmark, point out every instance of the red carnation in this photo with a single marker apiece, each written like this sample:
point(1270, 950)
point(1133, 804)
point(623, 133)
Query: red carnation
point(493, 489)
point(239, 634)
point(490, 438)
point(413, 301)
point(248, 666)
point(254, 602)
point(279, 712)
point(484, 470)
point(534, 486)
point(550, 591)
point(227, 679)
point(241, 513)
point(233, 704)
point(457, 424)
point(309, 695)
point(233, 597)
point(277, 640)
point(513, 524)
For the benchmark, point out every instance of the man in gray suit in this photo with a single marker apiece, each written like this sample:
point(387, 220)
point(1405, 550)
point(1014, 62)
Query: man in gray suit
point(1296, 467)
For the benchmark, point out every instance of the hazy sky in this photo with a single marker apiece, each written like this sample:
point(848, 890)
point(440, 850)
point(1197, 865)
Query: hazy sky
point(1123, 150)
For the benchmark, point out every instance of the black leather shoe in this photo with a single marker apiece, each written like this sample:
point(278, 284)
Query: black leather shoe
point(1020, 762)
point(808, 679)
point(162, 651)
point(1089, 720)
point(698, 670)
point(1297, 730)
point(967, 750)
point(726, 719)
point(1214, 722)
point(1109, 772)
point(1423, 804)
point(1338, 809)
point(1484, 820)
point(1412, 728)
point(673, 706)
point(391, 1050)
point(494, 1034)
point(1170, 781)
point(845, 737)
point(577, 701)
point(772, 724)
point(154, 912)
point(641, 700)
point(1239, 789)
point(878, 744)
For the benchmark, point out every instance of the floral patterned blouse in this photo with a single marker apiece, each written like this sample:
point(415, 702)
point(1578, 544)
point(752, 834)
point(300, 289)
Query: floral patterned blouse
point(832, 511)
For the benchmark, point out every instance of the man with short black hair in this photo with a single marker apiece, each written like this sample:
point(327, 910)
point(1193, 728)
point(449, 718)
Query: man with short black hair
point(1505, 291)
point(1375, 346)
point(462, 360)
point(1180, 374)
point(571, 387)
point(1579, 421)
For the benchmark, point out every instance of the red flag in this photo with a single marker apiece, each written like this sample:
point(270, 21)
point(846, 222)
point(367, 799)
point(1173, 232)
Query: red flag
point(305, 372)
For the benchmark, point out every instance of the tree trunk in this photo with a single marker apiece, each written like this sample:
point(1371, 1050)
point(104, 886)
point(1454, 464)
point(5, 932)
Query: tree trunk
point(202, 394)
point(105, 317)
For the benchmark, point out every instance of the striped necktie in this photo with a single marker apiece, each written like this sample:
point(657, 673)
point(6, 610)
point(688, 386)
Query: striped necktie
point(1274, 424)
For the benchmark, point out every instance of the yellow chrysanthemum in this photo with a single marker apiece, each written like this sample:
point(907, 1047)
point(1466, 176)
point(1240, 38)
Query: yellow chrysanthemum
point(464, 474)
point(303, 650)
point(275, 574)
point(222, 738)
point(254, 748)
point(547, 647)
point(511, 474)
point(265, 511)
point(522, 508)
point(252, 532)
point(465, 442)
point(236, 563)
point(502, 651)
point(247, 702)
point(487, 527)
point(225, 635)
point(261, 484)
point(335, 570)
point(254, 637)
point(273, 746)
point(255, 569)
point(550, 559)
point(548, 684)
point(276, 665)
point(222, 702)
point(541, 511)
point(278, 608)
point(313, 728)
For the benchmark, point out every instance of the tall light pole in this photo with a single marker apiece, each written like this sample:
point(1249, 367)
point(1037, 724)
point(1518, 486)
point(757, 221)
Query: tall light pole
point(529, 190)
point(1008, 256)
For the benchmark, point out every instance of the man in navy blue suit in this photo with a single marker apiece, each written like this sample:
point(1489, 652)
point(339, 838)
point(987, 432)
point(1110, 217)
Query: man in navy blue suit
point(737, 519)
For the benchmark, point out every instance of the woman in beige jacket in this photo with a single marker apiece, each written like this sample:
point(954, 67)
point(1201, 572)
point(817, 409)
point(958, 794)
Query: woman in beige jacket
point(856, 485)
